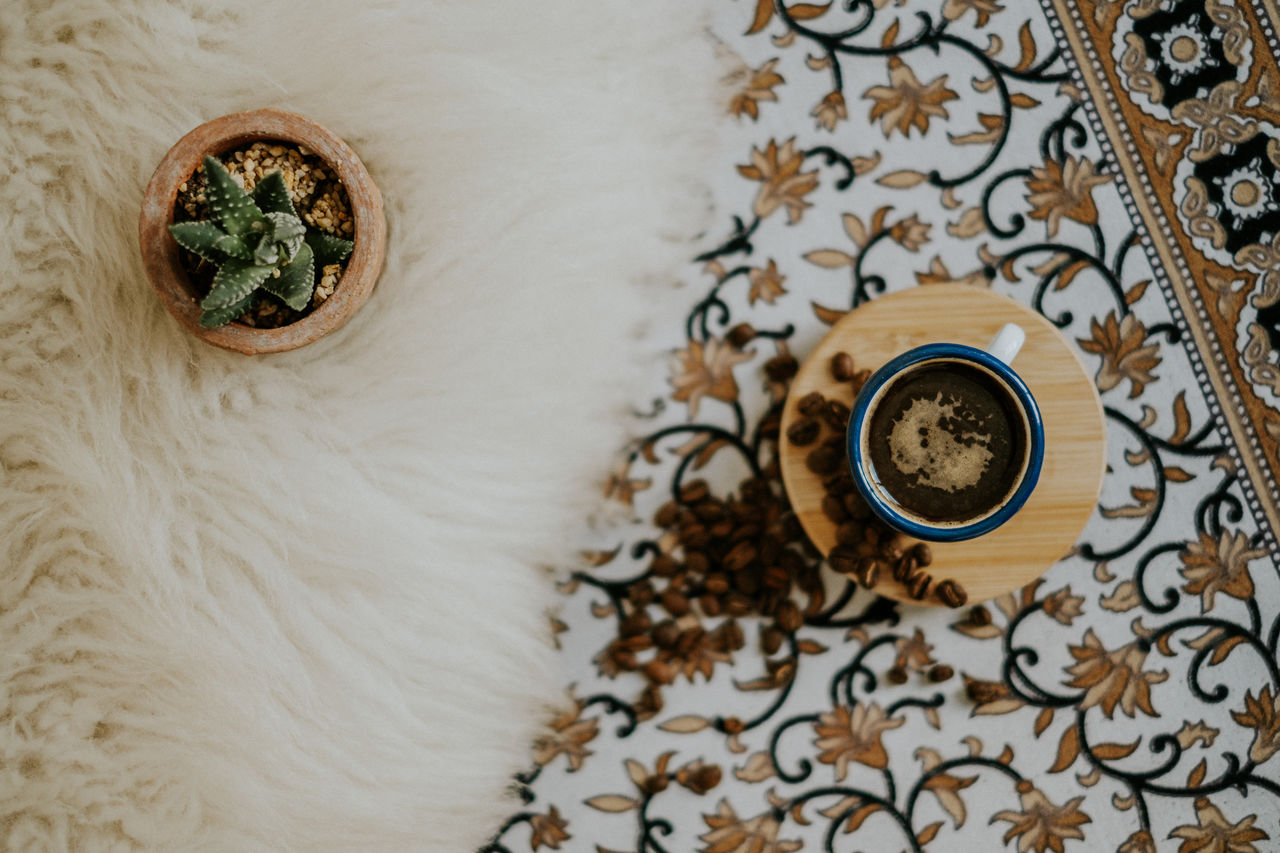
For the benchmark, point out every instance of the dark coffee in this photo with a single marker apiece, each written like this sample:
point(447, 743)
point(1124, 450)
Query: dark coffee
point(947, 442)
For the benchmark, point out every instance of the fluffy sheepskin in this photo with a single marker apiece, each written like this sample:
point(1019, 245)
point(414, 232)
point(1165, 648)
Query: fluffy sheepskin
point(295, 602)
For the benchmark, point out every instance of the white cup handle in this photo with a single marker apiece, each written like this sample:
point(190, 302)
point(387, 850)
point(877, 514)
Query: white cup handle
point(1007, 342)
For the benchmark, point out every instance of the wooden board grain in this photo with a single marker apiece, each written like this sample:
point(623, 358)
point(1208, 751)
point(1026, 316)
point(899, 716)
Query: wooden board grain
point(1049, 523)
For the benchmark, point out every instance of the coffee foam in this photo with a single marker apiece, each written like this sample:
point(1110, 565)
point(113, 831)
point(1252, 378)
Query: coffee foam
point(970, 467)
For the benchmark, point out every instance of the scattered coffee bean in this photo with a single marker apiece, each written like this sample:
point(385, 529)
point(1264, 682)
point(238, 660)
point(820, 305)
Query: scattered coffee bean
point(923, 553)
point(951, 594)
point(710, 604)
point(859, 379)
point(737, 604)
point(666, 514)
point(833, 509)
point(717, 583)
point(635, 624)
point(897, 675)
point(803, 432)
point(664, 566)
point(918, 585)
point(781, 367)
point(842, 367)
point(904, 568)
point(836, 414)
point(694, 491)
point(856, 506)
point(941, 673)
point(821, 460)
point(675, 603)
point(788, 616)
point(775, 577)
point(849, 533)
point(665, 634)
point(811, 404)
point(771, 640)
point(868, 572)
point(741, 334)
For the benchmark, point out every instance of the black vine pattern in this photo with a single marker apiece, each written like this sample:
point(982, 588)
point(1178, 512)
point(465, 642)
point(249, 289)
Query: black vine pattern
point(1128, 701)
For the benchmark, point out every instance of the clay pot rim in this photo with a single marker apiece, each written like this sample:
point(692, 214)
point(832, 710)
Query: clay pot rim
point(160, 253)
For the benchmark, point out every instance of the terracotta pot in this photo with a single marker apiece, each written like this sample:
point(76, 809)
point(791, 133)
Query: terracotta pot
point(160, 254)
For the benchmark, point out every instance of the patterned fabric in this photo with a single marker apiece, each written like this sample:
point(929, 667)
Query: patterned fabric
point(1113, 164)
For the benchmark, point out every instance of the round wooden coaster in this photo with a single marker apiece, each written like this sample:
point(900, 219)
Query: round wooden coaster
point(1045, 529)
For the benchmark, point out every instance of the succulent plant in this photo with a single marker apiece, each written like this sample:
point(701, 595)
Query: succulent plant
point(258, 243)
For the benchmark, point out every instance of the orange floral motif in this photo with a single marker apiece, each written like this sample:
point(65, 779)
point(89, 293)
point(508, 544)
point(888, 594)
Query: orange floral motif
point(1219, 565)
point(568, 736)
point(1113, 678)
point(1057, 190)
point(766, 283)
point(906, 102)
point(939, 274)
point(910, 233)
point(1140, 842)
point(1213, 833)
point(1041, 825)
point(729, 833)
point(853, 734)
point(548, 830)
point(1063, 606)
point(830, 111)
point(698, 777)
point(706, 370)
point(1263, 716)
point(1125, 355)
point(953, 10)
point(782, 184)
point(759, 88)
point(914, 653)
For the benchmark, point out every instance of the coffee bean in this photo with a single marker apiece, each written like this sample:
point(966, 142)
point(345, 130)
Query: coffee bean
point(721, 529)
point(770, 426)
point(811, 404)
point(641, 593)
point(747, 582)
point(675, 603)
point(842, 367)
point(694, 491)
point(788, 616)
point(659, 672)
point(694, 536)
point(696, 562)
point(923, 553)
point(665, 634)
point(904, 568)
point(636, 623)
point(771, 640)
point(741, 334)
point(710, 604)
point(941, 673)
point(737, 604)
point(859, 379)
point(666, 514)
point(740, 557)
point(717, 583)
point(775, 577)
point(918, 585)
point(855, 505)
point(822, 460)
point(833, 509)
point(803, 432)
point(836, 415)
point(849, 533)
point(868, 573)
point(781, 367)
point(897, 675)
point(891, 549)
point(951, 594)
point(664, 566)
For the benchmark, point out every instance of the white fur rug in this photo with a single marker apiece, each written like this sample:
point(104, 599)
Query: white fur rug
point(295, 602)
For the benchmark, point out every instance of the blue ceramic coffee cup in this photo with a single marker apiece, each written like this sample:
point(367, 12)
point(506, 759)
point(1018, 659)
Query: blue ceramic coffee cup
point(945, 441)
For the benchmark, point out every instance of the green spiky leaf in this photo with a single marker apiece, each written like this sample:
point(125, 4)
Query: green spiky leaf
point(234, 247)
point(271, 194)
point(199, 237)
point(235, 280)
point(327, 248)
point(287, 232)
point(214, 317)
point(230, 205)
point(296, 281)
